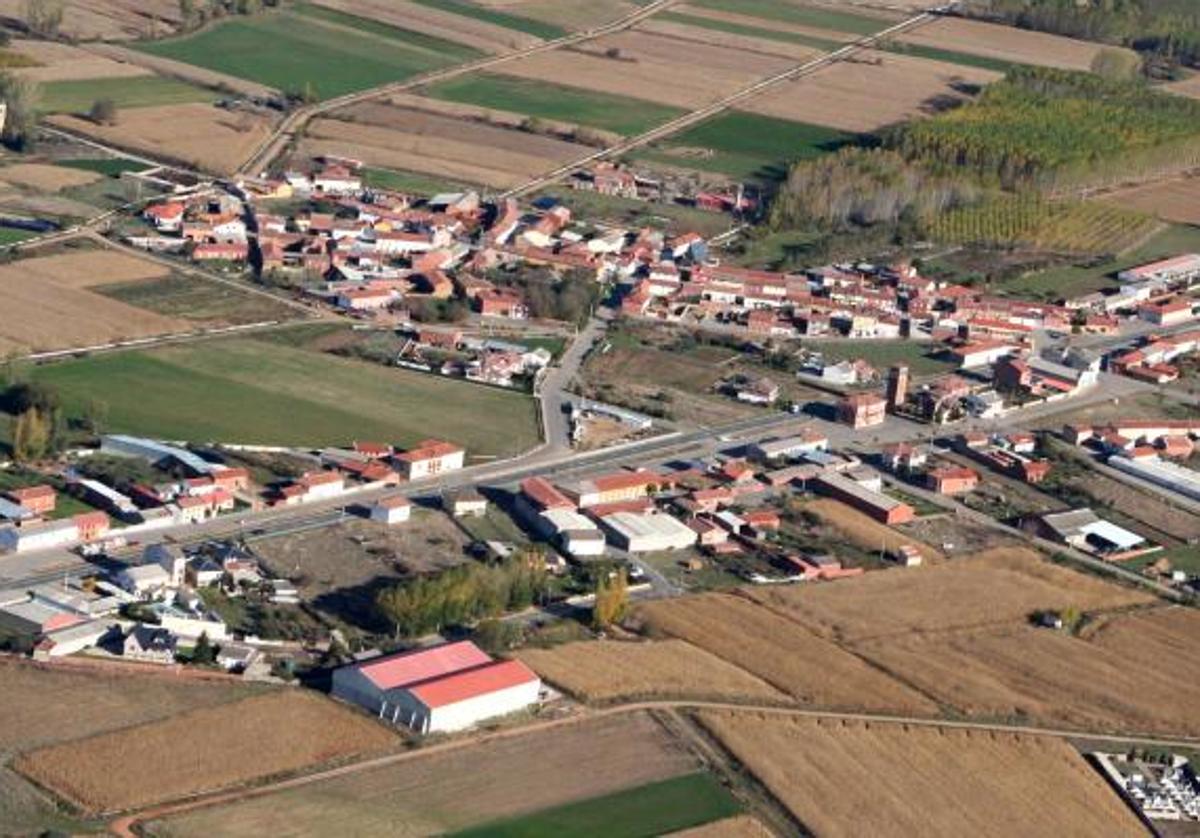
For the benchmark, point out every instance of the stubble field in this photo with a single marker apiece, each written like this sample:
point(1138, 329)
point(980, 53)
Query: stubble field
point(108, 19)
point(54, 62)
point(46, 178)
point(670, 669)
point(204, 750)
point(1171, 200)
point(1004, 43)
point(864, 531)
point(853, 778)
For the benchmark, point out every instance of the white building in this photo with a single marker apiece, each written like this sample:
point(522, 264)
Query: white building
point(430, 458)
point(649, 533)
point(144, 581)
point(445, 688)
point(574, 533)
point(790, 447)
point(1168, 475)
point(38, 536)
point(393, 509)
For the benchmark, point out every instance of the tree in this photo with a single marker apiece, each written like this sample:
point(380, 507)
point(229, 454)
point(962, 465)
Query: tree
point(1117, 64)
point(103, 112)
point(612, 600)
point(20, 119)
point(495, 636)
point(188, 14)
point(43, 17)
point(204, 653)
point(95, 415)
point(31, 437)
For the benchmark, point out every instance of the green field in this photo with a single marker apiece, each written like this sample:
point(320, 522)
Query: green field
point(111, 166)
point(787, 12)
point(11, 235)
point(136, 92)
point(459, 52)
point(537, 28)
point(950, 56)
point(266, 392)
point(750, 31)
point(292, 51)
point(881, 354)
point(747, 146)
point(413, 182)
point(621, 114)
point(592, 206)
point(656, 809)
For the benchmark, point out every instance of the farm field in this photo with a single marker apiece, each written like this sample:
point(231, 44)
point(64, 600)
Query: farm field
point(224, 745)
point(941, 598)
point(746, 146)
point(793, 13)
point(42, 703)
point(1112, 679)
point(1003, 43)
point(393, 137)
point(257, 391)
point(611, 209)
point(654, 67)
point(49, 303)
point(108, 19)
point(498, 14)
point(436, 793)
point(883, 353)
point(864, 531)
point(416, 183)
point(44, 177)
point(656, 809)
point(190, 298)
point(701, 30)
point(875, 90)
point(49, 61)
point(24, 810)
point(1173, 200)
point(565, 14)
point(624, 113)
point(739, 826)
point(196, 133)
point(609, 671)
point(855, 778)
point(480, 35)
point(292, 51)
point(77, 96)
point(783, 653)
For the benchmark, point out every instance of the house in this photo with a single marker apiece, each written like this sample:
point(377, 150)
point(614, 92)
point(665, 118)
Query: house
point(221, 252)
point(171, 559)
point(903, 457)
point(862, 410)
point(1168, 313)
point(146, 581)
point(365, 299)
point(952, 480)
point(149, 644)
point(440, 689)
point(502, 303)
point(430, 458)
point(91, 525)
point(617, 487)
point(40, 500)
point(166, 217)
point(312, 486)
point(391, 509)
point(466, 504)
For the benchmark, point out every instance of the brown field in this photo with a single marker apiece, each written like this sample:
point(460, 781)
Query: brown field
point(740, 826)
point(609, 671)
point(759, 23)
point(715, 37)
point(41, 703)
point(863, 95)
point(87, 20)
point(491, 116)
point(197, 134)
point(781, 652)
point(854, 778)
point(48, 304)
point(651, 67)
point(1171, 200)
point(447, 25)
point(998, 586)
point(1135, 674)
point(442, 792)
point(1005, 43)
point(864, 531)
point(204, 750)
point(46, 178)
point(63, 62)
point(399, 138)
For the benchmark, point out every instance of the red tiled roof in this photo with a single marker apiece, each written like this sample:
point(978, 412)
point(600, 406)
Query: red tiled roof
point(461, 686)
point(428, 450)
point(545, 494)
point(407, 668)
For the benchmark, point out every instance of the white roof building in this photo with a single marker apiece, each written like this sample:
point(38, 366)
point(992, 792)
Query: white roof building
point(647, 533)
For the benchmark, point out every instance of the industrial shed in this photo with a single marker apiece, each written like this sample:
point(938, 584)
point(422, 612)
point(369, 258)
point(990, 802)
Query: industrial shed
point(650, 533)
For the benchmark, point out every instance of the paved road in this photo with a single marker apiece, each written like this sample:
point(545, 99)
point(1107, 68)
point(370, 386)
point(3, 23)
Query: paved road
point(552, 393)
point(127, 825)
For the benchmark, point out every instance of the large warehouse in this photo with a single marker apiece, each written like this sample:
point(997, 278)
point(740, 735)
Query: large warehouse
point(649, 533)
point(438, 690)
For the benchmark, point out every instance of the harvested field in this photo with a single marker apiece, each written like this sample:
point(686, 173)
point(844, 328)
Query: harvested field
point(87, 20)
point(853, 778)
point(653, 67)
point(568, 14)
point(998, 586)
point(452, 790)
point(198, 300)
point(780, 652)
point(492, 116)
point(48, 304)
point(864, 531)
point(63, 62)
point(42, 702)
point(820, 29)
point(197, 134)
point(876, 89)
point(1004, 43)
point(796, 52)
point(1172, 200)
point(610, 671)
point(740, 826)
point(401, 138)
point(1135, 675)
point(204, 750)
point(476, 34)
point(46, 178)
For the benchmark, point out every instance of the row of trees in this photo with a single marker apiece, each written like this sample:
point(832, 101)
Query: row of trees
point(195, 13)
point(463, 595)
point(569, 298)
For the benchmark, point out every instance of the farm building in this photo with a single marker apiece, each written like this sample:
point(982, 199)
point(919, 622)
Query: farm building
point(430, 458)
point(38, 536)
point(1170, 476)
point(1084, 530)
point(467, 503)
point(882, 508)
point(647, 533)
point(394, 509)
point(1176, 269)
point(617, 488)
point(952, 480)
point(574, 533)
point(442, 689)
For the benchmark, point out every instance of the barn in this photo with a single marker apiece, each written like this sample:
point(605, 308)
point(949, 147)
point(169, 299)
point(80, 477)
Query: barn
point(441, 689)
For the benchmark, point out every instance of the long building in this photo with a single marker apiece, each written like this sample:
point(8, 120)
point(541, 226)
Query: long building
point(1162, 473)
point(879, 506)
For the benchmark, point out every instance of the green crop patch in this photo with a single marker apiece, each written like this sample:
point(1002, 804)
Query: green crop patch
point(794, 13)
point(459, 52)
point(733, 28)
point(140, 91)
point(537, 28)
